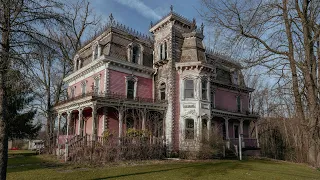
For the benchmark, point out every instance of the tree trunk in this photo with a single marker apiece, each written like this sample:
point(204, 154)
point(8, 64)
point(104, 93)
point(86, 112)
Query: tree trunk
point(4, 65)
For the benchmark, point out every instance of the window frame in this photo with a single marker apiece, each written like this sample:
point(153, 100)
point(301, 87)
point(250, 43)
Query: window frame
point(189, 131)
point(129, 81)
point(135, 54)
point(84, 88)
point(189, 89)
point(162, 89)
point(204, 90)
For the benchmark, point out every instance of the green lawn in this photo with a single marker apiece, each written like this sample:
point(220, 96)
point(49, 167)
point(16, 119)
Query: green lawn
point(44, 167)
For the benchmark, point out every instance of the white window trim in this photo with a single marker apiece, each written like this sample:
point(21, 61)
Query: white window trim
point(194, 89)
point(84, 84)
point(165, 90)
point(208, 93)
point(135, 79)
point(98, 77)
point(130, 52)
point(194, 129)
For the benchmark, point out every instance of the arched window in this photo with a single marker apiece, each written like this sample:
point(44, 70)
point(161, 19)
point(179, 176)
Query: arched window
point(135, 54)
point(130, 89)
point(189, 89)
point(162, 91)
point(204, 89)
point(189, 132)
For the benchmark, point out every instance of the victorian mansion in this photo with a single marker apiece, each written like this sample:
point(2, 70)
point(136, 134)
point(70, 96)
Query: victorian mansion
point(167, 84)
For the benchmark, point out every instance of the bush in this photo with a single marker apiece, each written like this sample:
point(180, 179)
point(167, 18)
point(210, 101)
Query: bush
point(211, 147)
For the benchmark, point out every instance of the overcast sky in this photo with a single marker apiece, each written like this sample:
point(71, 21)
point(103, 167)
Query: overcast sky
point(138, 14)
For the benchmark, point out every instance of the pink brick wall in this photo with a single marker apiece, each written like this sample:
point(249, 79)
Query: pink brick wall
point(118, 84)
point(90, 82)
point(227, 100)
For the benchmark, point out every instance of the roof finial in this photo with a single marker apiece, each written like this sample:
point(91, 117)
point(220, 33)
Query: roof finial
point(111, 18)
point(171, 8)
point(202, 27)
point(151, 24)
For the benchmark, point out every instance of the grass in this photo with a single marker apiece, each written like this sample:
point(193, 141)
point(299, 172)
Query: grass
point(46, 167)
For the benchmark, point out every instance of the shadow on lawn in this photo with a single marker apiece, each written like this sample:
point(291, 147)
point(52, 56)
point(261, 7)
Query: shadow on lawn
point(26, 162)
point(196, 170)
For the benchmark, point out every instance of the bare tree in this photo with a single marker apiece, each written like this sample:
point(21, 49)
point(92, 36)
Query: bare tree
point(21, 23)
point(282, 36)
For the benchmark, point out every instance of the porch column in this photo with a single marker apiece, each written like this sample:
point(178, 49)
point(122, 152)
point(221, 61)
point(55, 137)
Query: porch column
point(120, 122)
point(226, 122)
point(241, 126)
point(209, 127)
point(58, 134)
point(94, 121)
point(80, 122)
point(68, 122)
point(257, 134)
point(144, 114)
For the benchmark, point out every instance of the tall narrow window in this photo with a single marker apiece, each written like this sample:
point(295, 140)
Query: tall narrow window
point(135, 54)
point(239, 103)
point(204, 90)
point(165, 50)
point(84, 87)
point(97, 85)
point(163, 91)
point(235, 78)
point(72, 91)
point(161, 50)
point(189, 133)
point(189, 89)
point(130, 89)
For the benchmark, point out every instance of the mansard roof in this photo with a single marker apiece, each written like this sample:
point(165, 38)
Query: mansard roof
point(112, 25)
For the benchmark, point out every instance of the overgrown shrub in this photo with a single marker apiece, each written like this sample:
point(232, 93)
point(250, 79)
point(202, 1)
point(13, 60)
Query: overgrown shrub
point(212, 146)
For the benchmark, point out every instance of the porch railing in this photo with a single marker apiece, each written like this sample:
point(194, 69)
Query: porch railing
point(110, 95)
point(247, 142)
point(247, 112)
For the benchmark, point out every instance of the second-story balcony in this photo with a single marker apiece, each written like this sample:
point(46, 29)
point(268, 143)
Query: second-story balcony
point(112, 97)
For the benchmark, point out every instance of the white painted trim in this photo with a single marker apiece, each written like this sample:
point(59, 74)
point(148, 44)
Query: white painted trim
point(128, 71)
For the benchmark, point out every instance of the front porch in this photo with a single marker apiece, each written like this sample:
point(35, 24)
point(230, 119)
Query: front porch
point(95, 117)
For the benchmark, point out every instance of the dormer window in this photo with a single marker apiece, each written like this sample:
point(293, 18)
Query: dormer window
point(235, 78)
point(135, 54)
